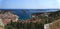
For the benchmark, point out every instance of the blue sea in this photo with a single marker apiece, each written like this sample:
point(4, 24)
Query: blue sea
point(26, 13)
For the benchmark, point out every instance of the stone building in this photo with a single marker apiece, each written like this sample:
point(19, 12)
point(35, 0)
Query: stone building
point(6, 18)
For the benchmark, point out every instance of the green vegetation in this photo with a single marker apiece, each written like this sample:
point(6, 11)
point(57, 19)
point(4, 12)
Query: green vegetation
point(44, 20)
point(20, 25)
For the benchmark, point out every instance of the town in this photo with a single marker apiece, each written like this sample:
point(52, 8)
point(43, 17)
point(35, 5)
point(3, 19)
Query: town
point(8, 20)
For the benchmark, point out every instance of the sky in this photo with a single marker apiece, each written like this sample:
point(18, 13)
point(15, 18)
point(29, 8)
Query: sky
point(29, 4)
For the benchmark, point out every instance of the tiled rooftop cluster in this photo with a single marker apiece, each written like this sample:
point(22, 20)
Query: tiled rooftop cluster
point(7, 16)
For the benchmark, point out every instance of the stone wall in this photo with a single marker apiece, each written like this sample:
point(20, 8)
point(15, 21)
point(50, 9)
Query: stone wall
point(53, 25)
